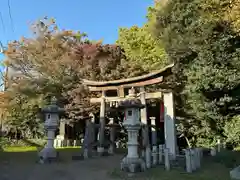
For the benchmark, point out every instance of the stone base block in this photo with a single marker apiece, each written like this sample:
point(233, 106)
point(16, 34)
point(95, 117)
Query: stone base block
point(133, 165)
point(47, 155)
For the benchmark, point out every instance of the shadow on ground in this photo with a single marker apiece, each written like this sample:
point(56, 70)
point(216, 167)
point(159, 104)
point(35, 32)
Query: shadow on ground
point(24, 166)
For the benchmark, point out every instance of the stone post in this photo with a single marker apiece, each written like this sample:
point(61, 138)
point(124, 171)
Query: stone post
point(160, 156)
point(188, 160)
point(148, 157)
point(112, 137)
point(154, 140)
point(51, 124)
point(169, 124)
point(61, 139)
point(102, 125)
point(155, 155)
point(213, 152)
point(95, 128)
point(166, 158)
point(198, 159)
point(193, 163)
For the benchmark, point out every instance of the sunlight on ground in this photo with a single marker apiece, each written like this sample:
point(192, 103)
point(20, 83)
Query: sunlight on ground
point(31, 148)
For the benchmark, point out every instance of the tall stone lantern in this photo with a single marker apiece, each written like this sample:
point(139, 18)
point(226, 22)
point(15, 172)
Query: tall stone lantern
point(51, 124)
point(131, 107)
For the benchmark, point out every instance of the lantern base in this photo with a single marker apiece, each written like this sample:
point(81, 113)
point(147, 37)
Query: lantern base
point(133, 165)
point(47, 155)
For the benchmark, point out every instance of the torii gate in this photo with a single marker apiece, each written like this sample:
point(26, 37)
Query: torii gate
point(140, 81)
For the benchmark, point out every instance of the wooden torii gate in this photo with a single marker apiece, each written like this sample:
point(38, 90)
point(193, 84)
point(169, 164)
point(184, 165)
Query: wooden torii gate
point(140, 82)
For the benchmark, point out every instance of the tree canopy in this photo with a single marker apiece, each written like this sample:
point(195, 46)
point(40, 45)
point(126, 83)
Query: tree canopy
point(140, 46)
point(202, 38)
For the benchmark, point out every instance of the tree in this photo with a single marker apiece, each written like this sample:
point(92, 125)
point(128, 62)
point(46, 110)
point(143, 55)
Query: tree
point(202, 38)
point(23, 117)
point(140, 46)
point(55, 61)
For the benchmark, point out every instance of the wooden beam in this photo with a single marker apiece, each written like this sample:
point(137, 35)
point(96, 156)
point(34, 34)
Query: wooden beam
point(154, 95)
point(162, 72)
point(136, 84)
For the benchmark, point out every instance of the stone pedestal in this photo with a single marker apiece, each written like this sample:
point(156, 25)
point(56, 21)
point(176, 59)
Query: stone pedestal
point(48, 152)
point(132, 162)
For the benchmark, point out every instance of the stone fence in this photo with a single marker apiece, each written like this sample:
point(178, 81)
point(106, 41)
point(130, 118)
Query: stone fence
point(191, 159)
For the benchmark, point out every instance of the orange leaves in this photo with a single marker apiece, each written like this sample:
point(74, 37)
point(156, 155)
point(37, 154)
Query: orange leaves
point(67, 33)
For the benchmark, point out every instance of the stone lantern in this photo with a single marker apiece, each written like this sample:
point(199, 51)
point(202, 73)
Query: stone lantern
point(131, 107)
point(51, 124)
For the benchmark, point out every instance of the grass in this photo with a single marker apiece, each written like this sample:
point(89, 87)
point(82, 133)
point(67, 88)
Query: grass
point(212, 168)
point(31, 148)
point(209, 171)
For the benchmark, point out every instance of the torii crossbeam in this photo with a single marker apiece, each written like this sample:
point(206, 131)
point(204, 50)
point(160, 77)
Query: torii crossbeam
point(156, 77)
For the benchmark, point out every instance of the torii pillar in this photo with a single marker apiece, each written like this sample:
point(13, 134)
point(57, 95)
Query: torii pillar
point(169, 124)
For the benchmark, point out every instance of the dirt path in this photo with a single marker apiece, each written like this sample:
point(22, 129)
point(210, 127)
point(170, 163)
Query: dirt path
point(20, 168)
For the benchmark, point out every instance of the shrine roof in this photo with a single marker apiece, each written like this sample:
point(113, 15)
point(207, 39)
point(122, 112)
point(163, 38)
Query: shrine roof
point(153, 75)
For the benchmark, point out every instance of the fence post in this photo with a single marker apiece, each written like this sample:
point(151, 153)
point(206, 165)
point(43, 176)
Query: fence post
point(148, 157)
point(188, 160)
point(160, 154)
point(166, 158)
point(154, 153)
point(193, 164)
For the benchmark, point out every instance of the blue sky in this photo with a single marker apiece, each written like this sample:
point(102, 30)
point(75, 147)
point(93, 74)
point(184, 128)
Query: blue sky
point(100, 19)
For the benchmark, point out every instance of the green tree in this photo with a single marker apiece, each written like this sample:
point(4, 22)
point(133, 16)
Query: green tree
point(23, 116)
point(202, 38)
point(140, 46)
point(232, 131)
